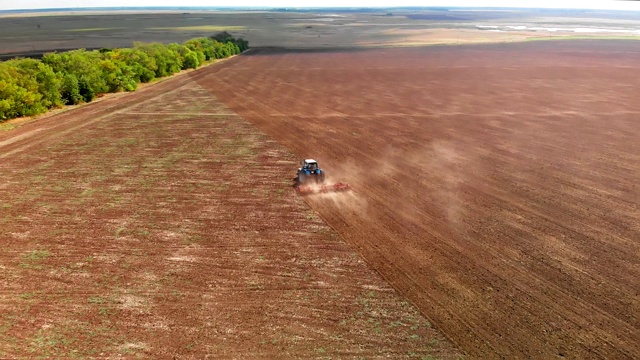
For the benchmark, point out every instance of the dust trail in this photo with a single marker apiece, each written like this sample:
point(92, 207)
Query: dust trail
point(424, 185)
point(448, 166)
point(348, 201)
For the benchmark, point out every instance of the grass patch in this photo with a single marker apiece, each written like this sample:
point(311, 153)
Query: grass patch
point(96, 300)
point(88, 192)
point(34, 259)
point(27, 295)
point(106, 311)
point(92, 29)
point(4, 126)
point(71, 339)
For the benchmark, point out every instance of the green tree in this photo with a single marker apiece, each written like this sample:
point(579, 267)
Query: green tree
point(48, 82)
point(118, 75)
point(198, 47)
point(87, 90)
point(85, 65)
point(141, 64)
point(29, 86)
point(242, 44)
point(223, 37)
point(168, 62)
point(19, 92)
point(188, 57)
point(8, 88)
point(191, 60)
point(70, 90)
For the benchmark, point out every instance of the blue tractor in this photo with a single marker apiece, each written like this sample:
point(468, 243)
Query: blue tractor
point(310, 172)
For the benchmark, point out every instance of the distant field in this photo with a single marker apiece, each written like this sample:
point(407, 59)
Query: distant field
point(33, 33)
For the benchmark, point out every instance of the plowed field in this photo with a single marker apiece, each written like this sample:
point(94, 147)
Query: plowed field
point(160, 224)
point(496, 186)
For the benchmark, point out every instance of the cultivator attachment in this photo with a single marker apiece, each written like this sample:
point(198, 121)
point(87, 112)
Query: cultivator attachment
point(322, 188)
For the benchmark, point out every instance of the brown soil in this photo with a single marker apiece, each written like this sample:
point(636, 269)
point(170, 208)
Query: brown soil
point(496, 186)
point(159, 224)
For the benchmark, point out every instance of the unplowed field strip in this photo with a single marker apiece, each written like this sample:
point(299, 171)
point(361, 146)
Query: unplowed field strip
point(161, 224)
point(495, 186)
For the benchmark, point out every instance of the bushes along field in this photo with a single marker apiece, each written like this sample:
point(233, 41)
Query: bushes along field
point(30, 87)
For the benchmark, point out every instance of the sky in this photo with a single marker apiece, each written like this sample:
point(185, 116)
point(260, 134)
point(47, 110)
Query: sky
point(584, 4)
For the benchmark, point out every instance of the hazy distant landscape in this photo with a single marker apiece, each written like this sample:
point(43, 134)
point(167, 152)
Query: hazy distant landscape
point(33, 32)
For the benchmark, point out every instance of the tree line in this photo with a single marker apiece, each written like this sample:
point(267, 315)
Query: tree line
point(31, 86)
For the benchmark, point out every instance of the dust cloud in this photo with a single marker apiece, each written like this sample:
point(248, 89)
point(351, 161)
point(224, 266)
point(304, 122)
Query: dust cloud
point(425, 185)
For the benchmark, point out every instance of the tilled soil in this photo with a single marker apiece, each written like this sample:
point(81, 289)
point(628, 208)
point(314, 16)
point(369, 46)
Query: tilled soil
point(161, 224)
point(495, 186)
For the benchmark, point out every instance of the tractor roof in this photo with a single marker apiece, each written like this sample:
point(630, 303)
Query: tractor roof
point(309, 161)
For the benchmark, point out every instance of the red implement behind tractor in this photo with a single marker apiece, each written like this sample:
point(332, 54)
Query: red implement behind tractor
point(321, 188)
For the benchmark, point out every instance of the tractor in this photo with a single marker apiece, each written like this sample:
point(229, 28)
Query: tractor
point(310, 180)
point(309, 172)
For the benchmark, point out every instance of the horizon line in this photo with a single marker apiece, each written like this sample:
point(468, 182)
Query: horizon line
point(116, 8)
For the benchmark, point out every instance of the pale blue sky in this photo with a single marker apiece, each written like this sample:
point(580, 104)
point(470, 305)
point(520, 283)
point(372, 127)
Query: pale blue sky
point(593, 4)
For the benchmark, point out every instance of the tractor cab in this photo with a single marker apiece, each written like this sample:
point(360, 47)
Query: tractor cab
point(310, 170)
point(310, 164)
